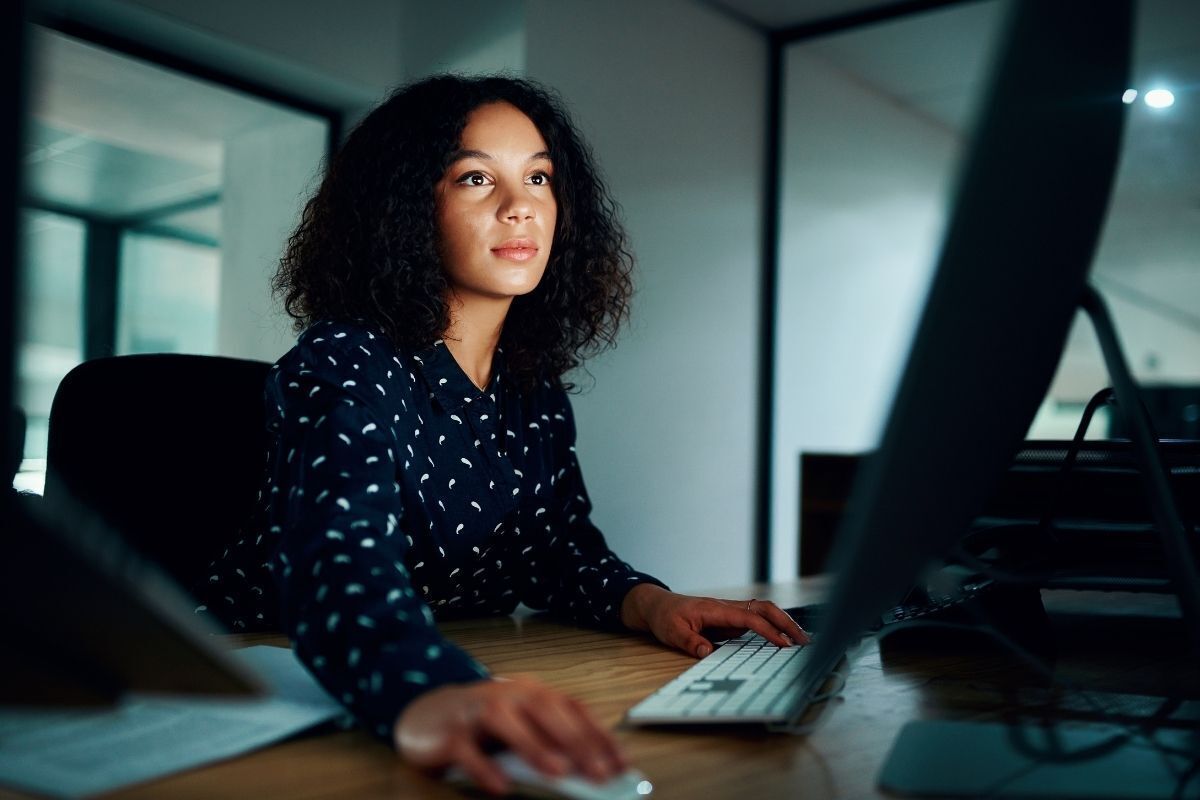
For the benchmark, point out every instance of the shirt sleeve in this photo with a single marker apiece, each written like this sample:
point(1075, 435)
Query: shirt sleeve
point(570, 569)
point(348, 603)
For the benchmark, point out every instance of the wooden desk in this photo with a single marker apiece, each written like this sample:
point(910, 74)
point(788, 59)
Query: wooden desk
point(611, 672)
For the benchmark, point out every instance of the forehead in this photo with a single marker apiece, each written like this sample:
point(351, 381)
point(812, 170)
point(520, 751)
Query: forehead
point(501, 128)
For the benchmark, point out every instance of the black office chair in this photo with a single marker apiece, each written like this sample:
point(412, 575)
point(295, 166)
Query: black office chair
point(169, 449)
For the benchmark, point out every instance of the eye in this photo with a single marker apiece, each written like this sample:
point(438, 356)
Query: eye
point(539, 179)
point(473, 179)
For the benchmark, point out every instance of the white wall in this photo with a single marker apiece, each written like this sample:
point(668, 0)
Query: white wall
point(862, 210)
point(672, 98)
point(269, 172)
point(434, 38)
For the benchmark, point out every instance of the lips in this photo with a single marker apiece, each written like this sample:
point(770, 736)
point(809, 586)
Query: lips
point(516, 250)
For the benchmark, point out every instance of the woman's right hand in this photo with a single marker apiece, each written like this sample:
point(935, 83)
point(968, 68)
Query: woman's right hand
point(553, 732)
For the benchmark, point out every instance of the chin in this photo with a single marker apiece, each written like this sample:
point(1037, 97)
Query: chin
point(502, 284)
point(526, 284)
point(514, 291)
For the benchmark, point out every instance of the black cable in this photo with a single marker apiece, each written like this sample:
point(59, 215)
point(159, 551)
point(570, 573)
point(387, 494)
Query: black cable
point(1102, 397)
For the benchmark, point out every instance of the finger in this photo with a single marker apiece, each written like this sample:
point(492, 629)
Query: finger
point(505, 720)
point(768, 631)
point(682, 633)
point(603, 736)
point(781, 620)
point(565, 724)
point(482, 771)
point(724, 615)
point(694, 644)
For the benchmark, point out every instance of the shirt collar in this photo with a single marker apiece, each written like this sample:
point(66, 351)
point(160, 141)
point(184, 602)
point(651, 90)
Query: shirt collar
point(446, 380)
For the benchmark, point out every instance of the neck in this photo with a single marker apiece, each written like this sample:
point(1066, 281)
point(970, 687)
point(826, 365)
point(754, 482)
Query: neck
point(474, 334)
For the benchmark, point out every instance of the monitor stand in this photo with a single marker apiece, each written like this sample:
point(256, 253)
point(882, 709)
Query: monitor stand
point(1180, 555)
point(1035, 761)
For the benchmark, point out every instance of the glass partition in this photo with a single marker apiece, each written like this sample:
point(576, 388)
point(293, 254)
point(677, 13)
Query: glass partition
point(157, 204)
point(169, 291)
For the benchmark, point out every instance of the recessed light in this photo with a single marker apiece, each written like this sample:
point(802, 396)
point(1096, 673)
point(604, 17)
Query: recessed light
point(1129, 96)
point(1160, 98)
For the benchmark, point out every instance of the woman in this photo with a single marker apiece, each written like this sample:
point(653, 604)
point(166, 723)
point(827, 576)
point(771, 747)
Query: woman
point(460, 256)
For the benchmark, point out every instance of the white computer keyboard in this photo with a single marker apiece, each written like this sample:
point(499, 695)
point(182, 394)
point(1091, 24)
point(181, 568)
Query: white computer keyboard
point(747, 679)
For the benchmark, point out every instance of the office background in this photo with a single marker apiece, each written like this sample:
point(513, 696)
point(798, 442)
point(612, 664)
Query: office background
point(177, 189)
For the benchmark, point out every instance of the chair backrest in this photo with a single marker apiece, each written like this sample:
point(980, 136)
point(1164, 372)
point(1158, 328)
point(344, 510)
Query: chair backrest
point(169, 449)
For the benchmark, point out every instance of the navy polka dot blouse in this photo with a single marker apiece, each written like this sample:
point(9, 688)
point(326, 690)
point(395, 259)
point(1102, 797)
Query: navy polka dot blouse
point(398, 492)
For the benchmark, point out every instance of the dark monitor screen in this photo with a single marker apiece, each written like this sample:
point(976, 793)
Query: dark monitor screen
point(1031, 199)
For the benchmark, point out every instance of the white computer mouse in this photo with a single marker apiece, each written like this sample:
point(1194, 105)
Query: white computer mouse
point(527, 781)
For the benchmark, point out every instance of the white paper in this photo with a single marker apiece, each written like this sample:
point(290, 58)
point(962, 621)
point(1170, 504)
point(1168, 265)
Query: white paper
point(78, 753)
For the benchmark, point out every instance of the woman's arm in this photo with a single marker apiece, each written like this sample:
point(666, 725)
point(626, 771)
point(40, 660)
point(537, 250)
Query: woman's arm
point(348, 602)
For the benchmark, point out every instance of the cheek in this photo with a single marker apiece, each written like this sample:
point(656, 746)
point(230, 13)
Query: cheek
point(549, 215)
point(443, 220)
point(463, 239)
point(453, 229)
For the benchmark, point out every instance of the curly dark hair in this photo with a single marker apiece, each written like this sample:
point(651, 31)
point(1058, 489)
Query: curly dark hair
point(367, 243)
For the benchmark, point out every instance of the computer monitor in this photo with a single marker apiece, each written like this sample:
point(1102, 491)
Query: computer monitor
point(83, 618)
point(1030, 202)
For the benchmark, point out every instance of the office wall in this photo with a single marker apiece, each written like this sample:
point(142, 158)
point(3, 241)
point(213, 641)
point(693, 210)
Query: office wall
point(862, 210)
point(1146, 269)
point(1161, 342)
point(672, 98)
point(265, 185)
point(434, 38)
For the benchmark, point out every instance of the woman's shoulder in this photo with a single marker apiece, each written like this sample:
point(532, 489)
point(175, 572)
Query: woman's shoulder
point(549, 397)
point(343, 335)
point(352, 344)
point(350, 354)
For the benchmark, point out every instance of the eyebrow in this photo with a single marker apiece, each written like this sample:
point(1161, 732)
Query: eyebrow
point(459, 155)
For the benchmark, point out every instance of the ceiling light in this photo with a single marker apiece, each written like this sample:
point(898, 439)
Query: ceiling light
point(1160, 98)
point(1129, 96)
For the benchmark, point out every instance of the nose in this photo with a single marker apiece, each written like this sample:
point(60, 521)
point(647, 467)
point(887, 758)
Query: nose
point(516, 206)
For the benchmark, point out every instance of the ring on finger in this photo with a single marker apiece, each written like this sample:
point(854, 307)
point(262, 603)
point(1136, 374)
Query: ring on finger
point(750, 602)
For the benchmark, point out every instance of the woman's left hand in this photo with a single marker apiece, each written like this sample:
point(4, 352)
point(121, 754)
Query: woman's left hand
point(678, 619)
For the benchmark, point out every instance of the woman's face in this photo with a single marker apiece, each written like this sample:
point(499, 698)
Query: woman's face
point(495, 206)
